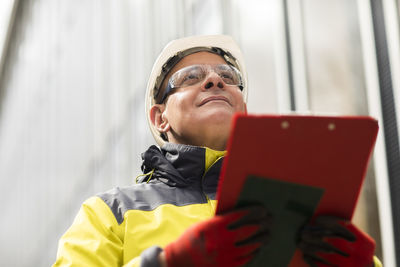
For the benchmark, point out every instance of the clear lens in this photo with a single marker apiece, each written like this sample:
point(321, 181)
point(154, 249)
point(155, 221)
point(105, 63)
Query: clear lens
point(195, 74)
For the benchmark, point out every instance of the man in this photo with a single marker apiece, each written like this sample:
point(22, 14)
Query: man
point(167, 219)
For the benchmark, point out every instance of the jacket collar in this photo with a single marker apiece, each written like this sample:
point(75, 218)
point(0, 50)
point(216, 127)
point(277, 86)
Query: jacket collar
point(175, 164)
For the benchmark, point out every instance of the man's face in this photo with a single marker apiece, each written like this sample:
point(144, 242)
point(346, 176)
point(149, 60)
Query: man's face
point(200, 114)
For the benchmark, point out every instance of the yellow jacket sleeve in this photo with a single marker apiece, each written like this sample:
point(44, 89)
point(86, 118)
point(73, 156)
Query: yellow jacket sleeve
point(377, 262)
point(93, 239)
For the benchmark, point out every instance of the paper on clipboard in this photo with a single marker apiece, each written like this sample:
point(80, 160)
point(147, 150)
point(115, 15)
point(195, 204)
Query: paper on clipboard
point(329, 153)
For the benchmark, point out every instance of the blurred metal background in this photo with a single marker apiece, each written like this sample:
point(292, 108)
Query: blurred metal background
point(72, 82)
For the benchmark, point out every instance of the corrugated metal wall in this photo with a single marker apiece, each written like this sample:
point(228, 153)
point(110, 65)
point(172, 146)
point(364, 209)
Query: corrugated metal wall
point(72, 114)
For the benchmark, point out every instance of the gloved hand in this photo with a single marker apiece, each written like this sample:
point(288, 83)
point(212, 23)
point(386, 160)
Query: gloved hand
point(230, 240)
point(330, 241)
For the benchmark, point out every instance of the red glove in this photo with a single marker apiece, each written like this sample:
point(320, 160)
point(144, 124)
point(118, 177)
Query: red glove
point(227, 240)
point(331, 241)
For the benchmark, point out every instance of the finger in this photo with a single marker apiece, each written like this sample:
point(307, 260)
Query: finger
point(320, 246)
point(328, 226)
point(310, 261)
point(245, 232)
point(260, 237)
point(244, 252)
point(252, 215)
point(243, 260)
point(336, 226)
point(311, 233)
point(313, 260)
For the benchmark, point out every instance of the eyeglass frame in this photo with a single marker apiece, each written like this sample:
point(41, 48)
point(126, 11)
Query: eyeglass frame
point(169, 87)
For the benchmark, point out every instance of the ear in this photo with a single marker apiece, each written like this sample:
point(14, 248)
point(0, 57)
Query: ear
point(158, 118)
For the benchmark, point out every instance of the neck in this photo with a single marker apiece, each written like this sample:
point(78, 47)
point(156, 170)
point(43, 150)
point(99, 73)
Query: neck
point(216, 142)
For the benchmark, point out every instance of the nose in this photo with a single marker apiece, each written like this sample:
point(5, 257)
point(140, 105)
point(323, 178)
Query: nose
point(213, 80)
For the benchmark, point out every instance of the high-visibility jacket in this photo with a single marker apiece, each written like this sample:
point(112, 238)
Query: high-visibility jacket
point(115, 227)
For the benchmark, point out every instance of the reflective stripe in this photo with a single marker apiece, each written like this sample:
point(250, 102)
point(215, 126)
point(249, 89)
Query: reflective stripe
point(147, 197)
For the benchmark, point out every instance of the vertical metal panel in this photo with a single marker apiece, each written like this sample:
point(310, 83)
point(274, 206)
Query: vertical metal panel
point(389, 116)
point(289, 55)
point(336, 82)
point(256, 26)
point(8, 9)
point(391, 10)
point(296, 29)
point(285, 99)
point(380, 161)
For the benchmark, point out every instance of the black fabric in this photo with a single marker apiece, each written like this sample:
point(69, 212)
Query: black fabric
point(178, 179)
point(175, 165)
point(210, 180)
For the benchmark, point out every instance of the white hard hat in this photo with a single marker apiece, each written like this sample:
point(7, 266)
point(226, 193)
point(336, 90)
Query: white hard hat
point(174, 51)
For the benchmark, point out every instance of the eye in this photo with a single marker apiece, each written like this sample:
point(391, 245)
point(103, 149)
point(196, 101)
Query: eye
point(228, 74)
point(190, 78)
point(228, 77)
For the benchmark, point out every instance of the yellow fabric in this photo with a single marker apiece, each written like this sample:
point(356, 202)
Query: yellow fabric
point(94, 232)
point(212, 156)
point(377, 262)
point(96, 239)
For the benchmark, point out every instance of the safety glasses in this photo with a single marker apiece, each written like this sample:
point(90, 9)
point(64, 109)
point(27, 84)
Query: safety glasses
point(196, 74)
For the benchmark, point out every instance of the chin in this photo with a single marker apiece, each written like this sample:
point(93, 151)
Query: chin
point(219, 116)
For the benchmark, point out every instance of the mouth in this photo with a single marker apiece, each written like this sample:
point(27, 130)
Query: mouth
point(214, 98)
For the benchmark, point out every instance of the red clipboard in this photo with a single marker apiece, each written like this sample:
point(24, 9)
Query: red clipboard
point(321, 151)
